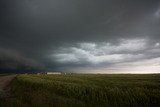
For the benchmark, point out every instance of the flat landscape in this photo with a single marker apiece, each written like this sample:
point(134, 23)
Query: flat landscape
point(84, 90)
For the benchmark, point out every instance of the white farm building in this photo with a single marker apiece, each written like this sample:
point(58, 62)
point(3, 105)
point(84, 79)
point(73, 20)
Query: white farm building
point(53, 73)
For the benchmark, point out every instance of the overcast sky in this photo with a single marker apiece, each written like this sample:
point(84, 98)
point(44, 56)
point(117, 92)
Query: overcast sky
point(88, 36)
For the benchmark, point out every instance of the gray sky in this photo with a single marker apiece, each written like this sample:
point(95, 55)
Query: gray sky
point(104, 36)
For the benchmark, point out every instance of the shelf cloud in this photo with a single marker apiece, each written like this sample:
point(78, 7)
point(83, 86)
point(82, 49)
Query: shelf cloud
point(80, 36)
point(12, 61)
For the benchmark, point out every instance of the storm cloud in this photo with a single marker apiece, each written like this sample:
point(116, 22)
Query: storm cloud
point(85, 35)
point(102, 55)
point(12, 61)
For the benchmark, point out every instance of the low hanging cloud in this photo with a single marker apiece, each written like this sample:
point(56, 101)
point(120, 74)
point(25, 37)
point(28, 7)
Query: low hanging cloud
point(106, 54)
point(11, 60)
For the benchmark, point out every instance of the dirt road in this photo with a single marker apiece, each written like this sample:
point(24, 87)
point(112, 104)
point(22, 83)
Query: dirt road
point(4, 85)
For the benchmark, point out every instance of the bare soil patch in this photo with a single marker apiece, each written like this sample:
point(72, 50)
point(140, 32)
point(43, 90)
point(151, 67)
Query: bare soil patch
point(5, 85)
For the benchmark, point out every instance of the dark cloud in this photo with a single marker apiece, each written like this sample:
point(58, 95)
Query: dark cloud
point(12, 61)
point(37, 28)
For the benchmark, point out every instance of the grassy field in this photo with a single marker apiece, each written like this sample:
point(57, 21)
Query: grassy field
point(84, 91)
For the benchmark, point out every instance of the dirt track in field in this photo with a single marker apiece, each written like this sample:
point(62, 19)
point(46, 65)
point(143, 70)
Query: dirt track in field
point(5, 85)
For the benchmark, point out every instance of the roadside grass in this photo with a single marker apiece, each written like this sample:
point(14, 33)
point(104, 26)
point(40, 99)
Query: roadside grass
point(121, 90)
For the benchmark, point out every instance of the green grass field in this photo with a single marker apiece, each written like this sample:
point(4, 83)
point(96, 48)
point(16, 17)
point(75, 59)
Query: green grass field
point(84, 91)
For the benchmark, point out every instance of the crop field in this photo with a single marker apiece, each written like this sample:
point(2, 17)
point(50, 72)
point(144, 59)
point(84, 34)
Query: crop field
point(84, 90)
